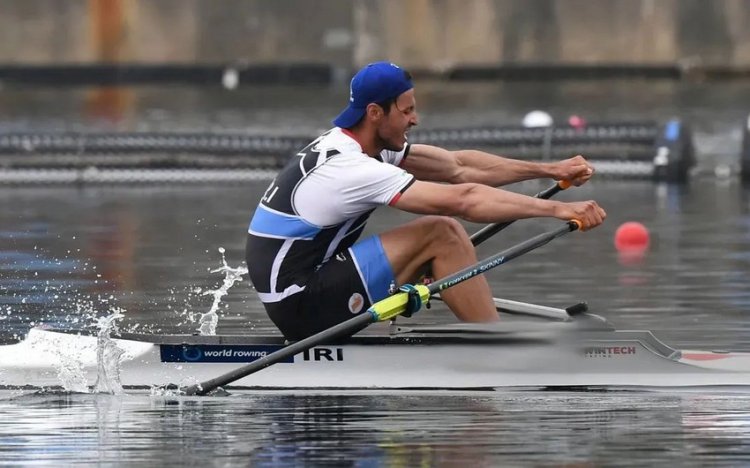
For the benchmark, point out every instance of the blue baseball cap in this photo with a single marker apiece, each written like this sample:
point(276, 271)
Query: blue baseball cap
point(376, 82)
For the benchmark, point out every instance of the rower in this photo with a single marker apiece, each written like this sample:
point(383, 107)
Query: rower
point(302, 251)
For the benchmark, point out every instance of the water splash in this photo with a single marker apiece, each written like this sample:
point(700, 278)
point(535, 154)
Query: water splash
point(210, 319)
point(108, 356)
point(70, 362)
point(71, 371)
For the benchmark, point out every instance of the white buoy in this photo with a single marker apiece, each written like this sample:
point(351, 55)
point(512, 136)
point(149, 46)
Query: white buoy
point(230, 79)
point(723, 171)
point(537, 118)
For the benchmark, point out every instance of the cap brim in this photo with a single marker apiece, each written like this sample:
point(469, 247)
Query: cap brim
point(349, 117)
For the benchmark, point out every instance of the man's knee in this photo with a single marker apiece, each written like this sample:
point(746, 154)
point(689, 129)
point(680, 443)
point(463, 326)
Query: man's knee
point(447, 230)
point(428, 236)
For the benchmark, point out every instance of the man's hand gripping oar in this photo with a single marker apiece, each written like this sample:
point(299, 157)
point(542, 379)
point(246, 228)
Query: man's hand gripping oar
point(409, 299)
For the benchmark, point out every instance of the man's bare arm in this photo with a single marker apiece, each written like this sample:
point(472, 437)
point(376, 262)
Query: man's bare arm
point(480, 203)
point(436, 164)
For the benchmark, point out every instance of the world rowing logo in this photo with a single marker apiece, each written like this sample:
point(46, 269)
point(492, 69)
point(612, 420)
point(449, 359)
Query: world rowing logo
point(191, 353)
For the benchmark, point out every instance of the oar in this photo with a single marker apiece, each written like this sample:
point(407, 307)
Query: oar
point(383, 310)
point(492, 229)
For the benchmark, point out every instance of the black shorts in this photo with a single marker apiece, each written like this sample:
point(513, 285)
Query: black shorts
point(347, 285)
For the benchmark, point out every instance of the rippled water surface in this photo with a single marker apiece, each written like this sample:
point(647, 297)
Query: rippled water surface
point(413, 429)
point(69, 255)
point(73, 253)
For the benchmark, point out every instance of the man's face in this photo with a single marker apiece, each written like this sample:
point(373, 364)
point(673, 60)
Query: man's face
point(395, 125)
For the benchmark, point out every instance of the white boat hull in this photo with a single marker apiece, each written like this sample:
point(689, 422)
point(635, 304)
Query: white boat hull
point(459, 357)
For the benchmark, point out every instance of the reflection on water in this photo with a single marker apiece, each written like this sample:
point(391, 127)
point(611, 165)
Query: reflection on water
point(349, 429)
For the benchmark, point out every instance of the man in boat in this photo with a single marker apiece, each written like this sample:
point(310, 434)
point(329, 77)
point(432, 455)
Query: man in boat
point(302, 253)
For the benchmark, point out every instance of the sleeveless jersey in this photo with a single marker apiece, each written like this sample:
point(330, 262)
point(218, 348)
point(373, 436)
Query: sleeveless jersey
point(315, 208)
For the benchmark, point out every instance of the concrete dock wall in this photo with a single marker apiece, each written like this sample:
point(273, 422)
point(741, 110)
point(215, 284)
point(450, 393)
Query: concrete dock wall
point(421, 34)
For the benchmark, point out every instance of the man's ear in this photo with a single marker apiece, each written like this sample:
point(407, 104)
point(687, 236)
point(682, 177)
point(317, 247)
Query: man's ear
point(374, 111)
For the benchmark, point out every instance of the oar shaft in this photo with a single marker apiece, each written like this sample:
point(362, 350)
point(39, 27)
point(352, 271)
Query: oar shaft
point(492, 229)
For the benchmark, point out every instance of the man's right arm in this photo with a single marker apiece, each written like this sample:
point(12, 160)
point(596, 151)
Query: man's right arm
point(483, 204)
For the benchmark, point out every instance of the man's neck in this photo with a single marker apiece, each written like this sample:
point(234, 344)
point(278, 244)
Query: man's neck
point(365, 138)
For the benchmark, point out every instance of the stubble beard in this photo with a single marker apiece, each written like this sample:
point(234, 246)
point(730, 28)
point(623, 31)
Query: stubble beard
point(388, 144)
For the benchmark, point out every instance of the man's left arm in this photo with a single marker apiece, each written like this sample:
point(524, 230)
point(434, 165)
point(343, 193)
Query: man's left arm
point(427, 162)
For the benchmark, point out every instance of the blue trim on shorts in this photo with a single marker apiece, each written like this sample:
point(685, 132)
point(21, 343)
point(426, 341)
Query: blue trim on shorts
point(369, 256)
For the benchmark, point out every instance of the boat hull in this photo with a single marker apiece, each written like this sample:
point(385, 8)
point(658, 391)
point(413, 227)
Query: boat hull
point(453, 359)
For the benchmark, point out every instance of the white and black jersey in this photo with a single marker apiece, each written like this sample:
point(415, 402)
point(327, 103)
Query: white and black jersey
point(314, 209)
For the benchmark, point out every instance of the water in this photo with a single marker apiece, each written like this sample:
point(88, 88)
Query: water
point(210, 319)
point(108, 356)
point(417, 429)
point(114, 248)
point(70, 256)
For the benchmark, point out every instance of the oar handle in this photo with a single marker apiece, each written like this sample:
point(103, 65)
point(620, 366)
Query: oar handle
point(492, 229)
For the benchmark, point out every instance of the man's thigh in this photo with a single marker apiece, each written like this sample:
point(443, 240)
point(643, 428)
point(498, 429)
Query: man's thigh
point(411, 247)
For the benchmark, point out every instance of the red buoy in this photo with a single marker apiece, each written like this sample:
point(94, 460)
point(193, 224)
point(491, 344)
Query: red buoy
point(632, 236)
point(577, 122)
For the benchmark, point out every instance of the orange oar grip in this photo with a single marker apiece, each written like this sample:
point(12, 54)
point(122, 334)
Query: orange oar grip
point(579, 225)
point(563, 184)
